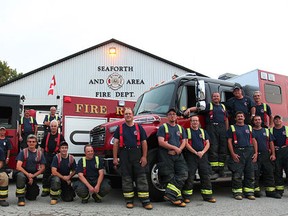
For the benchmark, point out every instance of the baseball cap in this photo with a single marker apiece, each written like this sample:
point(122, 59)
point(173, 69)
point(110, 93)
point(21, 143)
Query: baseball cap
point(237, 87)
point(277, 116)
point(2, 127)
point(63, 143)
point(171, 110)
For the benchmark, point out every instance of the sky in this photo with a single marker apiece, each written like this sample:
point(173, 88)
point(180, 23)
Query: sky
point(208, 36)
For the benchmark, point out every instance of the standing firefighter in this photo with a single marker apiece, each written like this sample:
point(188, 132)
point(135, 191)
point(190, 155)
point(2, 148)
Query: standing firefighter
point(30, 164)
point(243, 149)
point(280, 132)
point(50, 146)
point(174, 172)
point(196, 158)
point(263, 110)
point(63, 169)
point(266, 154)
point(27, 126)
point(48, 118)
point(91, 177)
point(4, 181)
point(5, 145)
point(130, 139)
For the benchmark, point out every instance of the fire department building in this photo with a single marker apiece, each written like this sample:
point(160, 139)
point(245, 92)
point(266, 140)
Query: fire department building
point(111, 69)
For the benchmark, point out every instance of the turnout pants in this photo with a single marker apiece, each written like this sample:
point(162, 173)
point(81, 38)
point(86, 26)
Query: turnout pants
point(47, 173)
point(202, 164)
point(61, 188)
point(4, 181)
point(266, 169)
point(131, 170)
point(218, 146)
point(281, 164)
point(243, 167)
point(174, 172)
point(83, 192)
point(30, 192)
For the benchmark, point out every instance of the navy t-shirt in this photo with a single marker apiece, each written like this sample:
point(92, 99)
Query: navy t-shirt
point(260, 112)
point(28, 125)
point(31, 162)
point(5, 145)
point(242, 134)
point(130, 135)
point(65, 167)
point(245, 104)
point(52, 142)
point(2, 155)
point(197, 139)
point(219, 114)
point(56, 117)
point(261, 137)
point(91, 169)
point(280, 136)
point(174, 134)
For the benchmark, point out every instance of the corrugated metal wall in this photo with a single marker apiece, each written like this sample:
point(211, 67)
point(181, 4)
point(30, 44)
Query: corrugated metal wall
point(73, 75)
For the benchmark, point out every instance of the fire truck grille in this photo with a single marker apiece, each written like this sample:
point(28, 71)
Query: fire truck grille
point(97, 136)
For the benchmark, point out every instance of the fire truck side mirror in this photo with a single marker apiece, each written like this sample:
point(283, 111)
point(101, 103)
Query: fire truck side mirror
point(200, 90)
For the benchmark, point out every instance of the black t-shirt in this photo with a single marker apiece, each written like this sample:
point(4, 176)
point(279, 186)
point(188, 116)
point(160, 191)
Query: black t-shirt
point(52, 142)
point(245, 104)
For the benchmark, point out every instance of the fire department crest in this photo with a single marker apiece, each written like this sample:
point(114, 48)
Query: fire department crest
point(115, 81)
point(135, 133)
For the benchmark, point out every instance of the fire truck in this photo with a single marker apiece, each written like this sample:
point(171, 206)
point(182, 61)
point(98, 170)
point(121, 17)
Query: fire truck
point(186, 91)
point(10, 110)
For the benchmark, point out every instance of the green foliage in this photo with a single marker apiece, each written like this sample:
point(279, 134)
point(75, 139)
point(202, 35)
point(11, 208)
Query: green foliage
point(7, 73)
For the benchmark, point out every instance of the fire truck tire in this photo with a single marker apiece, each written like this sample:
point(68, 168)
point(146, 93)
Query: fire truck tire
point(156, 189)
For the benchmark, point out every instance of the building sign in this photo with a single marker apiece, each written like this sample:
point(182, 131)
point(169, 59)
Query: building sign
point(115, 81)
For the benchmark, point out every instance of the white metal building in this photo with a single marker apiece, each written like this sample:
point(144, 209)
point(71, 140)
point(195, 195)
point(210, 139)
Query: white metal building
point(111, 69)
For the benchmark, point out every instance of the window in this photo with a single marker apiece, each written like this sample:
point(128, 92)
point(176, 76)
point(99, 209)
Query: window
point(273, 93)
point(5, 116)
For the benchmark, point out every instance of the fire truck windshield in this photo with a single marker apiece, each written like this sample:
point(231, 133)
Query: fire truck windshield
point(156, 100)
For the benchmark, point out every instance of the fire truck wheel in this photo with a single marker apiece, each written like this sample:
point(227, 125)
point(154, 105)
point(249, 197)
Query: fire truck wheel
point(156, 189)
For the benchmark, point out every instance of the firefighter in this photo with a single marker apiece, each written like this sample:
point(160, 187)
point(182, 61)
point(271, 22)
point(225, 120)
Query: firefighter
point(216, 125)
point(5, 144)
point(280, 132)
point(243, 150)
point(263, 110)
point(130, 140)
point(63, 169)
point(50, 147)
point(91, 177)
point(240, 103)
point(49, 118)
point(196, 158)
point(30, 164)
point(27, 125)
point(173, 169)
point(4, 180)
point(266, 154)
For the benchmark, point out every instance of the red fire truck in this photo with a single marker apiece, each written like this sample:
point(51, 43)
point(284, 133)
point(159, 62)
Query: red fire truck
point(10, 110)
point(185, 91)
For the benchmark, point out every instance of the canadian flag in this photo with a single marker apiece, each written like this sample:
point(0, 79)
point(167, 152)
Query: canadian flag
point(52, 84)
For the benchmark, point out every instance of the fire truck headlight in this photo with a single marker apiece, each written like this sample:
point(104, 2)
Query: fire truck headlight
point(112, 141)
point(113, 129)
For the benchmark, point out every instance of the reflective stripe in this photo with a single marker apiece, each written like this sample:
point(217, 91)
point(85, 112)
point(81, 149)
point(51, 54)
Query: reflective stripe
point(238, 190)
point(20, 190)
point(3, 192)
point(203, 191)
point(187, 192)
point(84, 164)
point(174, 188)
point(221, 164)
point(167, 131)
point(281, 187)
point(128, 195)
point(143, 194)
point(257, 189)
point(211, 114)
point(270, 189)
point(248, 189)
point(55, 193)
point(235, 136)
point(189, 134)
point(214, 164)
point(87, 197)
point(286, 132)
point(46, 189)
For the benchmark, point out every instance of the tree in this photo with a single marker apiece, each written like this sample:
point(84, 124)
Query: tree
point(7, 73)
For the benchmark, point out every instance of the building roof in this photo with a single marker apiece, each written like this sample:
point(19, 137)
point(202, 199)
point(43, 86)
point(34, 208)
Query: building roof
point(95, 47)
